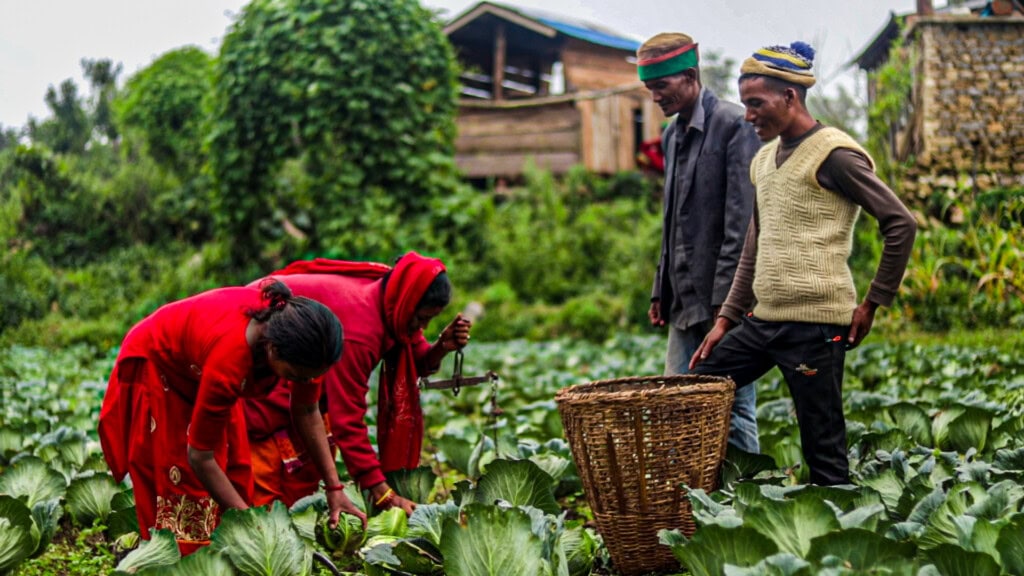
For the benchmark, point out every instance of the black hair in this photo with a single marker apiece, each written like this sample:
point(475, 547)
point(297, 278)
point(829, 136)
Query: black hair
point(438, 294)
point(778, 85)
point(303, 331)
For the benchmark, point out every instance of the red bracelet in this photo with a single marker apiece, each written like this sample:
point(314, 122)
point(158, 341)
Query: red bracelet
point(334, 488)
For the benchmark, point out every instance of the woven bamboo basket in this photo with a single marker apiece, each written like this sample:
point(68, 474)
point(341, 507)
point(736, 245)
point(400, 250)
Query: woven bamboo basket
point(636, 442)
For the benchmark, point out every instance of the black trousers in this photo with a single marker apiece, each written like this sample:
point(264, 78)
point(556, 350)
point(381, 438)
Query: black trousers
point(811, 358)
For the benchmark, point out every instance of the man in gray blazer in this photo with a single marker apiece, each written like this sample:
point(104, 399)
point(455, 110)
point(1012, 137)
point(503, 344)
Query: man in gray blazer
point(708, 203)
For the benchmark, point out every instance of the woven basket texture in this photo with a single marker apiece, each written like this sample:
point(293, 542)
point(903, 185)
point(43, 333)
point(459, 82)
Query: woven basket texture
point(636, 442)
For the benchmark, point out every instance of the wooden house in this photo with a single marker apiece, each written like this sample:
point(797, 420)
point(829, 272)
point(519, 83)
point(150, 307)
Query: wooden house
point(963, 125)
point(546, 88)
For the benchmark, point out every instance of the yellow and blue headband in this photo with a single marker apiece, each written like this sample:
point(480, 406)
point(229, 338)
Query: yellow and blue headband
point(674, 62)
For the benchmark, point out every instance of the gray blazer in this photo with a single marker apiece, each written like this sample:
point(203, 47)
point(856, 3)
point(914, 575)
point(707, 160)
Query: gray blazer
point(708, 202)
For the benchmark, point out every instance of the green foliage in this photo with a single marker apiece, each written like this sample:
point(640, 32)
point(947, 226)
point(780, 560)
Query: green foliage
point(18, 533)
point(553, 246)
point(162, 107)
point(27, 287)
point(971, 275)
point(360, 92)
point(102, 75)
point(97, 303)
point(893, 84)
point(262, 542)
point(62, 218)
point(68, 130)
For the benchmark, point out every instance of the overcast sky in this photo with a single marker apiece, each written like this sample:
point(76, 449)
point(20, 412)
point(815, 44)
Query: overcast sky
point(43, 41)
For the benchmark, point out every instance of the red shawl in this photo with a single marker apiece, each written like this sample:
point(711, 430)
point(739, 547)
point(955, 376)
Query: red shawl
point(399, 414)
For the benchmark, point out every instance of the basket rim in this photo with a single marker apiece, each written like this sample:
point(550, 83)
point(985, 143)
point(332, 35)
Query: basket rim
point(644, 386)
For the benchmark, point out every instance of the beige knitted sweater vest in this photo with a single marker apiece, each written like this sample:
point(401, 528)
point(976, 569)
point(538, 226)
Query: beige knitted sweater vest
point(805, 235)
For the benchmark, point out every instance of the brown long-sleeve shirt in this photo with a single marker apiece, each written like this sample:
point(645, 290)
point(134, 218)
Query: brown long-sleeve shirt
point(849, 173)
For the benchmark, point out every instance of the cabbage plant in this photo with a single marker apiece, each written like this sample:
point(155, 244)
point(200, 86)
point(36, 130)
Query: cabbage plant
point(19, 536)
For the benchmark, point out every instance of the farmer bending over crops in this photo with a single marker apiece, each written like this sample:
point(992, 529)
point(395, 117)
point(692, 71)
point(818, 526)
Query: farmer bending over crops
point(171, 417)
point(384, 311)
point(793, 303)
point(708, 201)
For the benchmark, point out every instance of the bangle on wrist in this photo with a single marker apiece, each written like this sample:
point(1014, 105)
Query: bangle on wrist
point(387, 496)
point(334, 488)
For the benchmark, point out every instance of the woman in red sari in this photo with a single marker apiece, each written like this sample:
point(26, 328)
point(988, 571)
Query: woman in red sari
point(171, 417)
point(384, 311)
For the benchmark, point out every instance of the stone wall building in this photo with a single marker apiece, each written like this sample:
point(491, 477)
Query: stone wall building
point(963, 125)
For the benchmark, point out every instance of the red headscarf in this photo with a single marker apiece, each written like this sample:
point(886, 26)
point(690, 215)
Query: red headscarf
point(399, 414)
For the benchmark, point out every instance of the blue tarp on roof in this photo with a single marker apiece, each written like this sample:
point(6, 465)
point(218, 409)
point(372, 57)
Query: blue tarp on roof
point(576, 28)
point(592, 36)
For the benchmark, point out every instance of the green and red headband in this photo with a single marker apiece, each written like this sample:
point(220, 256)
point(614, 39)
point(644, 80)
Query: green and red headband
point(674, 62)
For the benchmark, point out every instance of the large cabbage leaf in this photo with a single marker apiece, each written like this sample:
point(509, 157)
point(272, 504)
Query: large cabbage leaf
point(19, 536)
point(952, 560)
point(492, 541)
point(792, 523)
point(405, 556)
point(575, 551)
point(34, 480)
point(961, 428)
point(11, 443)
point(913, 420)
point(1011, 545)
point(67, 445)
point(415, 484)
point(122, 519)
point(160, 550)
point(781, 564)
point(204, 562)
point(47, 516)
point(714, 546)
point(263, 543)
point(427, 521)
point(863, 550)
point(518, 482)
point(90, 498)
point(391, 522)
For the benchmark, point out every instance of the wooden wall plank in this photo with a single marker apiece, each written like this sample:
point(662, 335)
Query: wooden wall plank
point(486, 165)
point(537, 141)
point(498, 121)
point(586, 108)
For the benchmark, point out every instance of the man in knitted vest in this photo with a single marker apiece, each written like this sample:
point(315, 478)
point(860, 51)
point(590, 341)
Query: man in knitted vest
point(708, 202)
point(793, 303)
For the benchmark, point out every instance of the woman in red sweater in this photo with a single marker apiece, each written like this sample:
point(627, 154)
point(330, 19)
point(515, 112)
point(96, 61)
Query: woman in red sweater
point(171, 417)
point(384, 311)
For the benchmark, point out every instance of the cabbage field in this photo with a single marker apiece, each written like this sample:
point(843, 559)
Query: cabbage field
point(936, 443)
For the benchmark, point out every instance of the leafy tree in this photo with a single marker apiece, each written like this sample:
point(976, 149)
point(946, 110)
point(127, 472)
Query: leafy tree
point(8, 138)
point(842, 110)
point(161, 106)
point(68, 130)
point(717, 72)
point(355, 98)
point(102, 75)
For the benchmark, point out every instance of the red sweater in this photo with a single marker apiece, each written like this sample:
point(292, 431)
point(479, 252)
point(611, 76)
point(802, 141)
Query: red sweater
point(358, 304)
point(199, 343)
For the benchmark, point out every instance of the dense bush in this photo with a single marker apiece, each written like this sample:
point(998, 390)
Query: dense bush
point(27, 288)
point(971, 274)
point(161, 108)
point(360, 93)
